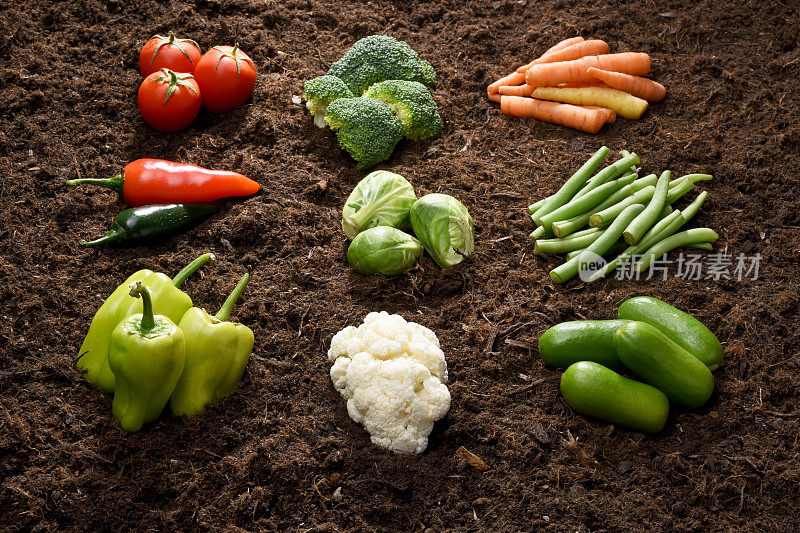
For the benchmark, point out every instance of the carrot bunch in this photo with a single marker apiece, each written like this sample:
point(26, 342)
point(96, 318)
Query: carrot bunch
point(579, 84)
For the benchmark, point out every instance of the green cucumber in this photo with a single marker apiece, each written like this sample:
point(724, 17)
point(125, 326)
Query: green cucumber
point(581, 340)
point(663, 364)
point(681, 328)
point(592, 389)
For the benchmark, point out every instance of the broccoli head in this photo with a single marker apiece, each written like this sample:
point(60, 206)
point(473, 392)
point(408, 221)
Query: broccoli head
point(320, 92)
point(413, 104)
point(377, 58)
point(366, 128)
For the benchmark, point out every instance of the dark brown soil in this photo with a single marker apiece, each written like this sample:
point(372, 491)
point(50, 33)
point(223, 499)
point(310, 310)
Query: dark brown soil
point(272, 455)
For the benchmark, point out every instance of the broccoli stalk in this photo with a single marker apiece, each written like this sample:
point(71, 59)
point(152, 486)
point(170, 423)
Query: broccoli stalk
point(413, 104)
point(320, 92)
point(377, 58)
point(366, 129)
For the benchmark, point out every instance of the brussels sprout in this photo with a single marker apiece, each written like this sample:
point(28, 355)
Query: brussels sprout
point(445, 228)
point(381, 199)
point(383, 250)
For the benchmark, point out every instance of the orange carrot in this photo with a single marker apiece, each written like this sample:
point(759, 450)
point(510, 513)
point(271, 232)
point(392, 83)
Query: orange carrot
point(649, 90)
point(560, 46)
point(494, 97)
point(515, 78)
point(517, 90)
point(563, 44)
point(610, 115)
point(550, 74)
point(576, 51)
point(572, 116)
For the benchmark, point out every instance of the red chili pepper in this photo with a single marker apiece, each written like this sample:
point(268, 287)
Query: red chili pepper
point(155, 181)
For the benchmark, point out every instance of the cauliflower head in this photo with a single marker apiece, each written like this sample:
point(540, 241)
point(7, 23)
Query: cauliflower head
point(393, 374)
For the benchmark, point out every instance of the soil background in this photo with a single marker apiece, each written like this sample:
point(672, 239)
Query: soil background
point(272, 456)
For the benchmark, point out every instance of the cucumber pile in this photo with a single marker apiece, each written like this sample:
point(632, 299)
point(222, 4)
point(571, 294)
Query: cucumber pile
point(672, 352)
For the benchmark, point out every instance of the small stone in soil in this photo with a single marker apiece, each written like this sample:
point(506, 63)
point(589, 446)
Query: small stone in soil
point(576, 145)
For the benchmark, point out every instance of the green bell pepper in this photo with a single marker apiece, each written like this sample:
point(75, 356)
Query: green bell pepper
point(146, 355)
point(217, 352)
point(168, 299)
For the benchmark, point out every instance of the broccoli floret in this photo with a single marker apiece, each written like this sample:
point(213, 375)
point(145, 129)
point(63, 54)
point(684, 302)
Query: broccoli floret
point(377, 58)
point(413, 104)
point(366, 128)
point(320, 92)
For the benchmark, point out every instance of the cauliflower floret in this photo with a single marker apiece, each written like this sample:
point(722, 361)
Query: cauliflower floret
point(392, 373)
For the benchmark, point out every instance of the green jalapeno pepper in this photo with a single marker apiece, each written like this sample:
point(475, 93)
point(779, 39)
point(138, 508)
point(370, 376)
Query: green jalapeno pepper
point(140, 224)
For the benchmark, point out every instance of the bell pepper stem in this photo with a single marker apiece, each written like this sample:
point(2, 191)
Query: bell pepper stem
point(191, 268)
point(114, 183)
point(227, 307)
point(138, 290)
point(115, 234)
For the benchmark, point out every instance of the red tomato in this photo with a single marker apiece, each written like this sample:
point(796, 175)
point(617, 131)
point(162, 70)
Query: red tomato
point(169, 101)
point(180, 55)
point(226, 76)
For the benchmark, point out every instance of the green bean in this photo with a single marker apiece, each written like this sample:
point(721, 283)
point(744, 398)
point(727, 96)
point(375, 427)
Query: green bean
point(619, 167)
point(585, 202)
point(538, 232)
point(581, 233)
point(641, 183)
point(610, 236)
point(690, 236)
point(679, 190)
point(661, 230)
point(576, 234)
point(700, 246)
point(591, 184)
point(692, 209)
point(679, 182)
point(617, 248)
point(694, 178)
point(536, 205)
point(562, 228)
point(645, 220)
point(572, 185)
point(559, 246)
point(610, 213)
